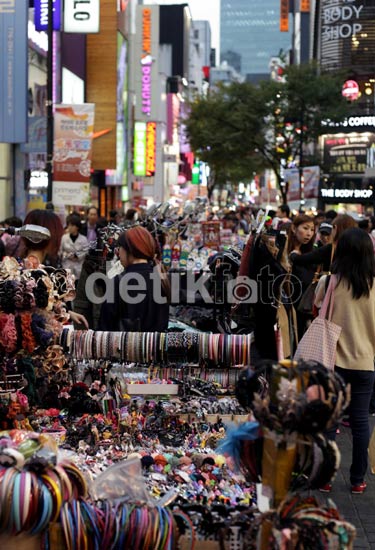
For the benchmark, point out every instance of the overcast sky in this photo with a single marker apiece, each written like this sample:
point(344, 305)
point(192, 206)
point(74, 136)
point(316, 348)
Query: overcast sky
point(203, 10)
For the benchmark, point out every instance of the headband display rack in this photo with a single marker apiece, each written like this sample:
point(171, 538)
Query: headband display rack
point(227, 350)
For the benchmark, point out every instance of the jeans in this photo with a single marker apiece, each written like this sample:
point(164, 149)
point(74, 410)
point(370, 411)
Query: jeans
point(361, 382)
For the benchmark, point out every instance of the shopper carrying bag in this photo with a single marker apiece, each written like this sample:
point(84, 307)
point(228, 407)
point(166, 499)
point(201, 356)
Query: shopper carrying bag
point(319, 342)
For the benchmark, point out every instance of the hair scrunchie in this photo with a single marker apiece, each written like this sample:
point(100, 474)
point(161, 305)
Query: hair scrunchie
point(8, 336)
point(28, 340)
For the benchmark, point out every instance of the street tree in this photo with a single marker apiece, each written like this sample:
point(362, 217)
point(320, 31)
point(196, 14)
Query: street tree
point(242, 128)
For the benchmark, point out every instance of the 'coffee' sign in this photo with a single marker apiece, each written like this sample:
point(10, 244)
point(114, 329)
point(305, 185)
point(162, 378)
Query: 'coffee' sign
point(81, 16)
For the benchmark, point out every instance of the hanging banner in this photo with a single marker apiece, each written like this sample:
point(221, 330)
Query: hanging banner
point(82, 17)
point(41, 15)
point(73, 127)
point(304, 6)
point(284, 15)
point(311, 177)
point(13, 71)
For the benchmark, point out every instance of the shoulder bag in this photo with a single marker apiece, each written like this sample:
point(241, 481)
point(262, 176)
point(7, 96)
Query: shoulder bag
point(306, 303)
point(319, 343)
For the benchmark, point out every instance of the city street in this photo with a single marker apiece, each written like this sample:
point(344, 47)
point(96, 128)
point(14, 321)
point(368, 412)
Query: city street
point(357, 509)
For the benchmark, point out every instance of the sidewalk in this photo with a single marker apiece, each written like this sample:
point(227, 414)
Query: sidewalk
point(357, 509)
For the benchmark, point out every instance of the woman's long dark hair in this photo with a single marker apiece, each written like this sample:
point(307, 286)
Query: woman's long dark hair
point(354, 262)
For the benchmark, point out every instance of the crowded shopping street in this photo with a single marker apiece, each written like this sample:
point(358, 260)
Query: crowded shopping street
point(187, 275)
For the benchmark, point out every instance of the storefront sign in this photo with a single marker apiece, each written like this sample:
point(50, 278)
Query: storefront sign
point(350, 90)
point(70, 193)
point(146, 61)
point(304, 6)
point(140, 149)
point(146, 68)
point(284, 15)
point(340, 21)
point(13, 71)
point(82, 16)
point(347, 153)
point(341, 194)
point(150, 148)
point(41, 14)
point(74, 126)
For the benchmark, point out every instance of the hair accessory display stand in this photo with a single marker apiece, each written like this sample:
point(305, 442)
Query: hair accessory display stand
point(227, 350)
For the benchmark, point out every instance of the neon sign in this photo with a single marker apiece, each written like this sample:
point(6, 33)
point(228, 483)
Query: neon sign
point(146, 61)
point(150, 148)
point(140, 149)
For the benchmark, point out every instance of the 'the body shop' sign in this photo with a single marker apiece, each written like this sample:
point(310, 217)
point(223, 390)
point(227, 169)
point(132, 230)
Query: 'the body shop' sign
point(81, 16)
point(146, 52)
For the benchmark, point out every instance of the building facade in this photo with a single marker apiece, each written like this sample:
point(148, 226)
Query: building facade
point(250, 34)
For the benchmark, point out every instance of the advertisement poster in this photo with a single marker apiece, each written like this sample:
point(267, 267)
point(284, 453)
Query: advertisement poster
point(347, 153)
point(74, 125)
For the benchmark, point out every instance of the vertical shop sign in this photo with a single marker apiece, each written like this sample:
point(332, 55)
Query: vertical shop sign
point(82, 16)
point(13, 71)
point(146, 62)
point(304, 6)
point(41, 15)
point(150, 148)
point(74, 125)
point(140, 149)
point(284, 15)
point(146, 68)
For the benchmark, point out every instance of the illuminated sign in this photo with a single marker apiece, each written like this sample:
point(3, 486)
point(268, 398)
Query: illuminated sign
point(150, 148)
point(41, 15)
point(350, 90)
point(146, 61)
point(347, 153)
point(360, 194)
point(284, 15)
point(140, 148)
point(82, 16)
point(340, 21)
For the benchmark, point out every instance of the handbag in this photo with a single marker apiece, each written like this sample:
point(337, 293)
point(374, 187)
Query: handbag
point(306, 303)
point(319, 343)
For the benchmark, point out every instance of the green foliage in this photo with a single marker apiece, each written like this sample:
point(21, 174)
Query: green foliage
point(241, 128)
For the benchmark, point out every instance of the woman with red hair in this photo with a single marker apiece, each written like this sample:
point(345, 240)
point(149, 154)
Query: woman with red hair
point(142, 291)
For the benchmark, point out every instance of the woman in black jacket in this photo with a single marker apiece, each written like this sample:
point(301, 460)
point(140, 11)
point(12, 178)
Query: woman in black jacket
point(142, 292)
point(323, 256)
point(301, 241)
